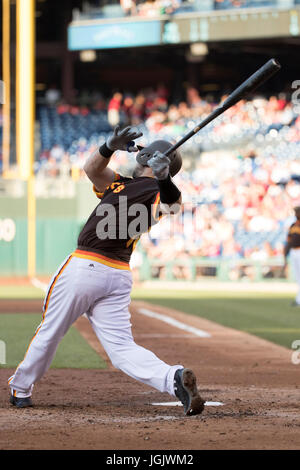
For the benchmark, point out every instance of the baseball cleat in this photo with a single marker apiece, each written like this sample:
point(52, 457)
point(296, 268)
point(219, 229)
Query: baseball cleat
point(185, 388)
point(21, 402)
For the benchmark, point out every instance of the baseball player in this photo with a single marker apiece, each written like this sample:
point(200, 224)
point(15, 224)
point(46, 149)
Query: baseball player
point(96, 278)
point(292, 248)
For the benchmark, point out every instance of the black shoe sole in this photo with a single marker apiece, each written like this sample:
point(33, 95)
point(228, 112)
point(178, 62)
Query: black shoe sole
point(22, 403)
point(189, 383)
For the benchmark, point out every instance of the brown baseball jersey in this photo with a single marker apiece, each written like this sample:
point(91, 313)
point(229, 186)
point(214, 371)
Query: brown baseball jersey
point(128, 208)
point(293, 237)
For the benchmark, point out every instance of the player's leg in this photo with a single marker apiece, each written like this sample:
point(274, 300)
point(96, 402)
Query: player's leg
point(69, 295)
point(295, 261)
point(110, 319)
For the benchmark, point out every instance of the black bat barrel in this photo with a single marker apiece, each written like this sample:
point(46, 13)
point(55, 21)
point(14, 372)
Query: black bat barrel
point(249, 85)
point(252, 83)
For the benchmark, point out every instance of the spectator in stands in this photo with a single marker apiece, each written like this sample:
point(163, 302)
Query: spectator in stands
point(137, 111)
point(224, 4)
point(193, 98)
point(127, 107)
point(57, 153)
point(52, 95)
point(150, 8)
point(62, 108)
point(129, 7)
point(65, 167)
point(114, 107)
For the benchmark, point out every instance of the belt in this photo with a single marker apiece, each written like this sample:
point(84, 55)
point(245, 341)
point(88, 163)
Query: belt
point(90, 255)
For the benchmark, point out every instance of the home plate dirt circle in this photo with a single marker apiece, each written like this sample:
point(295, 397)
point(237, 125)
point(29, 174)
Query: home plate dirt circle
point(254, 382)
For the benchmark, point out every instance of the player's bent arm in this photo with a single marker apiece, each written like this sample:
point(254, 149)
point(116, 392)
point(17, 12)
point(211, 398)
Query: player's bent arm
point(97, 171)
point(170, 196)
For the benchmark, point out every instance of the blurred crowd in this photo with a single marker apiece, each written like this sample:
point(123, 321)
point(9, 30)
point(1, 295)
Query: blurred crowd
point(148, 8)
point(238, 199)
point(235, 207)
point(240, 180)
point(259, 122)
point(154, 8)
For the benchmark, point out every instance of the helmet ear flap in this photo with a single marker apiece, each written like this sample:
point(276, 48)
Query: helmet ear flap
point(176, 163)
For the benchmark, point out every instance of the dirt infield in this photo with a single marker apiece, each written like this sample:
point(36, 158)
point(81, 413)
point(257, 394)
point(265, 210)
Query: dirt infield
point(90, 409)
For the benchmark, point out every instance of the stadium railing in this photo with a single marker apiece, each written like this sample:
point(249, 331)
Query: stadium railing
point(193, 268)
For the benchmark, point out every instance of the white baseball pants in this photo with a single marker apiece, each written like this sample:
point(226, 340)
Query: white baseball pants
point(295, 262)
point(79, 286)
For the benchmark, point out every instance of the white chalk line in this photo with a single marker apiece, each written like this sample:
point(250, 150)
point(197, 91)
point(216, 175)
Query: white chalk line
point(171, 321)
point(177, 403)
point(159, 335)
point(176, 323)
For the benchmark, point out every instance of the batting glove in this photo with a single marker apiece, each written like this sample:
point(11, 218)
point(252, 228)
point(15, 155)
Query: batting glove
point(124, 140)
point(160, 164)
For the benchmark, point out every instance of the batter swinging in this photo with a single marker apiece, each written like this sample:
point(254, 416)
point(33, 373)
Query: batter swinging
point(96, 278)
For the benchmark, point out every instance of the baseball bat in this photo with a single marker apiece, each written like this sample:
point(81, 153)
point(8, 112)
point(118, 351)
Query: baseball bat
point(252, 83)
